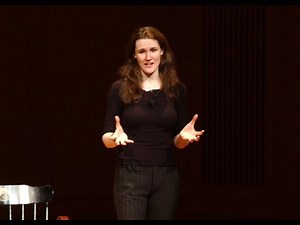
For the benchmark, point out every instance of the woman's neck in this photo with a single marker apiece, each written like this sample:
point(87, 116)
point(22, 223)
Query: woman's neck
point(151, 82)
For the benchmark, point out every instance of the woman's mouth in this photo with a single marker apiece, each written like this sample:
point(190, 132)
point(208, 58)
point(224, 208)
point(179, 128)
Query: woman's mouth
point(148, 64)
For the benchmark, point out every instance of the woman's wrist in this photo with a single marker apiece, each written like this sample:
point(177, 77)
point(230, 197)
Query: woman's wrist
point(108, 141)
point(180, 142)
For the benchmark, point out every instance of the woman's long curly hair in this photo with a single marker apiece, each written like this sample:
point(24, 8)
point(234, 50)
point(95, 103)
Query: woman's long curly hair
point(131, 90)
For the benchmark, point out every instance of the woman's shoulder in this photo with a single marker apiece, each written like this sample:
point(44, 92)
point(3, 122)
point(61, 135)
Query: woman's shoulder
point(117, 84)
point(181, 85)
point(181, 88)
point(114, 90)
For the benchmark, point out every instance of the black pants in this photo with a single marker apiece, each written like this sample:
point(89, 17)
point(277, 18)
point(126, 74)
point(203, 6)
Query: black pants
point(145, 192)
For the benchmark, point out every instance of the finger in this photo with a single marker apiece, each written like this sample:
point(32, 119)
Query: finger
point(129, 141)
point(195, 116)
point(193, 121)
point(200, 132)
point(118, 124)
point(198, 135)
point(118, 140)
point(124, 142)
point(117, 120)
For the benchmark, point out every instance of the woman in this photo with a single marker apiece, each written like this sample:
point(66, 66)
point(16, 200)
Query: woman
point(145, 121)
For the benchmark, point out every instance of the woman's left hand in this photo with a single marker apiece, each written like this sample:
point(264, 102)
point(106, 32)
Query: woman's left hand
point(189, 133)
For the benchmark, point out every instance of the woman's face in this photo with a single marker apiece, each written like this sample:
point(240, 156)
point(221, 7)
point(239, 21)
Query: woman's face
point(148, 54)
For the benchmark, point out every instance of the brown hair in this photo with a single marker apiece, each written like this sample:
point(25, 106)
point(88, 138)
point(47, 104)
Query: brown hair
point(131, 90)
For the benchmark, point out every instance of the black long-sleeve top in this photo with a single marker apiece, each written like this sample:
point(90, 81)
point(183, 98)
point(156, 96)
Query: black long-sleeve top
point(152, 123)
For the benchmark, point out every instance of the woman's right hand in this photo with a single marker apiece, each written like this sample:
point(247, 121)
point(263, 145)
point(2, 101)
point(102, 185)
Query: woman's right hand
point(119, 136)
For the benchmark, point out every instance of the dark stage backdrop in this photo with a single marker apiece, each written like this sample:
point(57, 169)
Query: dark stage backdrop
point(240, 66)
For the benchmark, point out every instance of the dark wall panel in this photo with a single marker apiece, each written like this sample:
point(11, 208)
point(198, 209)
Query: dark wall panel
point(234, 82)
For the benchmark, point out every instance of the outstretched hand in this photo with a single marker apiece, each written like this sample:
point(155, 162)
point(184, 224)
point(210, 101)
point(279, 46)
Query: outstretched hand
point(189, 133)
point(119, 136)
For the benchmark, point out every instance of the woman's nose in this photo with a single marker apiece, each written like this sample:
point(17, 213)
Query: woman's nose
point(148, 56)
